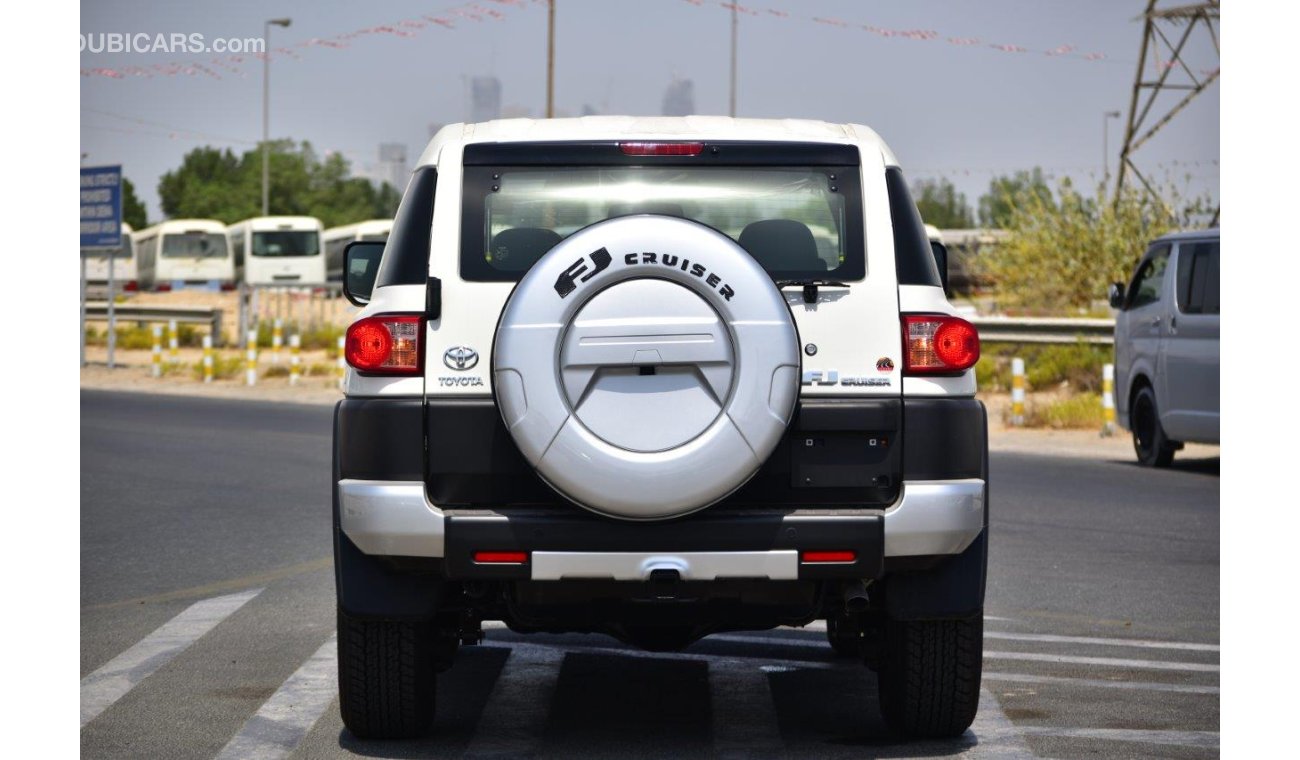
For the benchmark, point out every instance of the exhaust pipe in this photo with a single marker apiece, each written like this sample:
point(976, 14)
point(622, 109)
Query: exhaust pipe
point(855, 596)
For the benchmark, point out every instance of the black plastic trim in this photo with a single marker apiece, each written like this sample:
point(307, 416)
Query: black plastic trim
point(380, 439)
point(944, 438)
point(406, 254)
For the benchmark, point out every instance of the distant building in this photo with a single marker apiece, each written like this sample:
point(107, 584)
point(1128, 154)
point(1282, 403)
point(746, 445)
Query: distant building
point(392, 167)
point(484, 99)
point(679, 98)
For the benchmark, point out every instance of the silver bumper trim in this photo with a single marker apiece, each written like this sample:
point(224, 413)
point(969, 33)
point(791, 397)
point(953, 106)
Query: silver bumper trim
point(391, 518)
point(935, 517)
point(777, 565)
point(395, 518)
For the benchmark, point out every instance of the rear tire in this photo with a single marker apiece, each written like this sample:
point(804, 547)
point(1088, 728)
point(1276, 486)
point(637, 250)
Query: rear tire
point(1152, 446)
point(929, 678)
point(387, 677)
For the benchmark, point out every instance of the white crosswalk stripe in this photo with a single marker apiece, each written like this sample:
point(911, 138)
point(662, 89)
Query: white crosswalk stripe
point(114, 679)
point(292, 710)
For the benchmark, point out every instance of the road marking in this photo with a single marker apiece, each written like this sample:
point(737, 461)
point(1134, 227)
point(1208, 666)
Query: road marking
point(994, 733)
point(1200, 739)
point(1102, 683)
point(744, 716)
point(1193, 667)
point(514, 719)
point(284, 719)
point(114, 679)
point(1136, 643)
point(230, 584)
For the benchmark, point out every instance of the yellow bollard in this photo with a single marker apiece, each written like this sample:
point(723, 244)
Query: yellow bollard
point(207, 358)
point(277, 340)
point(1108, 400)
point(1017, 391)
point(251, 372)
point(173, 342)
point(294, 344)
point(157, 350)
point(341, 362)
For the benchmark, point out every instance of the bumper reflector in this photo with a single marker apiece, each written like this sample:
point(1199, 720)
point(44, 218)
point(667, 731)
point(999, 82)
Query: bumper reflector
point(829, 556)
point(501, 558)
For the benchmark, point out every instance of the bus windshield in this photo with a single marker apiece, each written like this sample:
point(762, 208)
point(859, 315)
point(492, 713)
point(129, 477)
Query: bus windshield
point(286, 243)
point(194, 245)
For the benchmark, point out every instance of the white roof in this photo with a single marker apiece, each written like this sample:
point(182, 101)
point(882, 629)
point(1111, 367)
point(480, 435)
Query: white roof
point(277, 222)
point(655, 128)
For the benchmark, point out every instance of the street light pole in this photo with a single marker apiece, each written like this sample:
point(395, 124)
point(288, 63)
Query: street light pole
point(266, 110)
point(1105, 145)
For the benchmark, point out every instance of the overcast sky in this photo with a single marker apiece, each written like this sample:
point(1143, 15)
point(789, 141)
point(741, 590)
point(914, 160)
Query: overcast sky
point(949, 105)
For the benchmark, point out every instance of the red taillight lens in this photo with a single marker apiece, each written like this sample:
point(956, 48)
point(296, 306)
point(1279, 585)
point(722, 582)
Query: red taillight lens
point(501, 558)
point(227, 286)
point(164, 287)
point(131, 286)
point(388, 344)
point(830, 556)
point(661, 148)
point(939, 344)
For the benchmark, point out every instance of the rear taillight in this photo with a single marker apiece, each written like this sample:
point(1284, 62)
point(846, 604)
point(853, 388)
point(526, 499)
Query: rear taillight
point(387, 344)
point(164, 287)
point(131, 286)
point(500, 558)
point(817, 557)
point(227, 286)
point(661, 148)
point(937, 344)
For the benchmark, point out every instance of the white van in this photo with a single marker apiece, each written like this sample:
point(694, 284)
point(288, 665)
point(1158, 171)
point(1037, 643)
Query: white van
point(278, 250)
point(337, 238)
point(1167, 346)
point(124, 270)
point(182, 252)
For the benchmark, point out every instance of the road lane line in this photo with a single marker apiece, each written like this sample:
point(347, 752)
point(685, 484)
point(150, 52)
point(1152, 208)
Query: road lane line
point(1177, 688)
point(514, 719)
point(744, 716)
point(114, 679)
point(1115, 662)
point(994, 733)
point(284, 719)
point(1135, 643)
point(1199, 739)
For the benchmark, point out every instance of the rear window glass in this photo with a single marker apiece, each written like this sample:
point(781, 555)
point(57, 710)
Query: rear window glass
point(1198, 278)
point(798, 222)
point(913, 255)
point(194, 245)
point(286, 243)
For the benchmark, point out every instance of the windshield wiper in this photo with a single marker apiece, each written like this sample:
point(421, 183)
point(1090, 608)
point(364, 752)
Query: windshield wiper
point(810, 287)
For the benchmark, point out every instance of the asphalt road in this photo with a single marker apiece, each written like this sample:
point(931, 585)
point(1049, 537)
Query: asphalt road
point(207, 620)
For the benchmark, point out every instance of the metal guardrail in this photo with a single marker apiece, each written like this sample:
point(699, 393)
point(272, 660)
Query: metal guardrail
point(98, 310)
point(1063, 330)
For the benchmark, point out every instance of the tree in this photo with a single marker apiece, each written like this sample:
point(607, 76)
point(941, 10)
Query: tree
point(133, 212)
point(214, 184)
point(1061, 255)
point(996, 205)
point(941, 205)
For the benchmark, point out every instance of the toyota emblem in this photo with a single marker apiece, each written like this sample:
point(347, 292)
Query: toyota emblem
point(460, 358)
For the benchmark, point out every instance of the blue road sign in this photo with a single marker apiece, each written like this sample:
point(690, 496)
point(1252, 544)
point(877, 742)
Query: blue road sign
point(101, 207)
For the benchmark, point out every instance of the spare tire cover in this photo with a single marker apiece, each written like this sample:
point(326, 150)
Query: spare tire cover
point(646, 366)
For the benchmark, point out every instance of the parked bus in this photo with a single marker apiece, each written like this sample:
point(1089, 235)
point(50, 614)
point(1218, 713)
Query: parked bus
point(337, 238)
point(182, 252)
point(278, 250)
point(124, 270)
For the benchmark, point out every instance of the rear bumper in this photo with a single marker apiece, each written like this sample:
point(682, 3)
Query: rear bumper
point(395, 518)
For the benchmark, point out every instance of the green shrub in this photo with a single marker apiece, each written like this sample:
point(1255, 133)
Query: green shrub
point(224, 366)
point(276, 370)
point(1046, 365)
point(321, 369)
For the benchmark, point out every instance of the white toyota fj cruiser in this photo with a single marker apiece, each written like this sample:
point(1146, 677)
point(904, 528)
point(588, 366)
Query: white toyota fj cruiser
point(658, 378)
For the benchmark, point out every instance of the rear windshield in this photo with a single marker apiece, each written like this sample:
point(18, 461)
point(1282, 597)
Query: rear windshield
point(798, 222)
point(194, 245)
point(286, 243)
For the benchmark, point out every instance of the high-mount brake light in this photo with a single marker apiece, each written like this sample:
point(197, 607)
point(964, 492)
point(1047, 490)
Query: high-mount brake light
point(938, 344)
point(661, 148)
point(386, 344)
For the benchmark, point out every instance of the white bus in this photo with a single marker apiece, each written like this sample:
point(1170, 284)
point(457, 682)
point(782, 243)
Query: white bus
point(124, 272)
point(278, 250)
point(337, 238)
point(182, 252)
